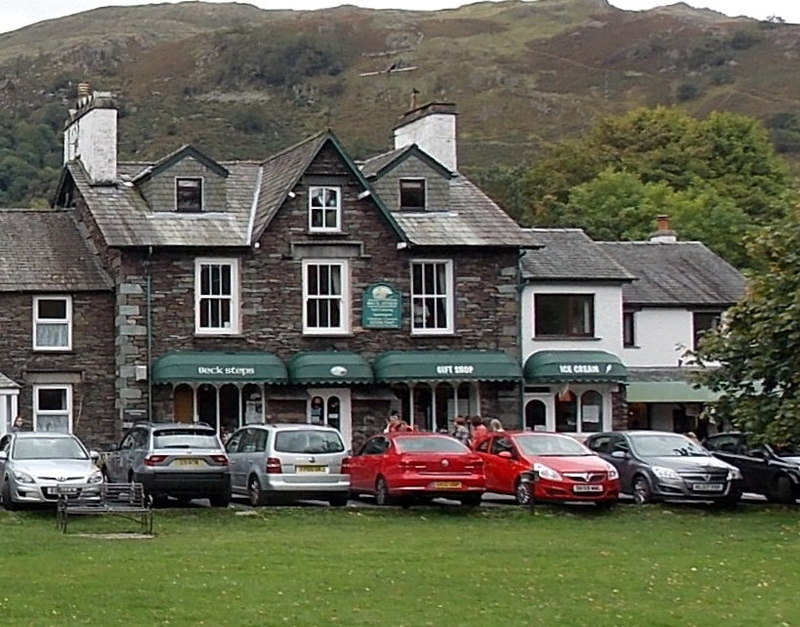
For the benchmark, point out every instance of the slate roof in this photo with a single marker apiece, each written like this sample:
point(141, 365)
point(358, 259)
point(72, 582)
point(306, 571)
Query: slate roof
point(377, 166)
point(657, 375)
point(676, 274)
point(44, 252)
point(570, 255)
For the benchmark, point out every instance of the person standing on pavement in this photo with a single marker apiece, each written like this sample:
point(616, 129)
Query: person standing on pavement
point(460, 432)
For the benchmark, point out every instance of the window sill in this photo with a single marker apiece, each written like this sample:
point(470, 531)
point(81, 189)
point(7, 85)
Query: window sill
point(53, 350)
point(200, 334)
point(568, 338)
point(330, 233)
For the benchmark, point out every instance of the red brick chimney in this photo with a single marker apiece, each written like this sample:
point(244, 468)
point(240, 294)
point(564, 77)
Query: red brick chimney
point(663, 233)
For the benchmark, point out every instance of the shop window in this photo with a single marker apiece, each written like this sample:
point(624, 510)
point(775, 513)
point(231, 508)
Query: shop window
point(536, 416)
point(566, 412)
point(564, 315)
point(591, 412)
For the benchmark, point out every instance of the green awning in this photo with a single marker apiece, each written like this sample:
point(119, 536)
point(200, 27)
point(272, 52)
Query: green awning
point(474, 365)
point(667, 392)
point(574, 366)
point(328, 367)
point(219, 367)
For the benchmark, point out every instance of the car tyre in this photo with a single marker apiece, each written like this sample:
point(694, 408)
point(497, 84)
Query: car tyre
point(782, 490)
point(382, 496)
point(8, 502)
point(642, 492)
point(254, 493)
point(521, 493)
point(340, 500)
point(220, 500)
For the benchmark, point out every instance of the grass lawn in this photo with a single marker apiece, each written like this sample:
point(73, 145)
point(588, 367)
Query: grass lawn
point(650, 566)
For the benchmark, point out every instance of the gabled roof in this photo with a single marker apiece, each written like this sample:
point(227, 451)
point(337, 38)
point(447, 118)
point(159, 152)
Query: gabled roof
point(569, 255)
point(674, 274)
point(175, 157)
point(44, 252)
point(376, 167)
point(282, 172)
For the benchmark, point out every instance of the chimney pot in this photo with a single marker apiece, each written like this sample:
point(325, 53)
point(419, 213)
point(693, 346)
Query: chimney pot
point(663, 234)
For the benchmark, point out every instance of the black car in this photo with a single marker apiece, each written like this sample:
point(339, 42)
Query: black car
point(773, 471)
point(660, 465)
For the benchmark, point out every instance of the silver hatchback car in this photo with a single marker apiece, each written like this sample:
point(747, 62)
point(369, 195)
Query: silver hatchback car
point(284, 462)
point(34, 463)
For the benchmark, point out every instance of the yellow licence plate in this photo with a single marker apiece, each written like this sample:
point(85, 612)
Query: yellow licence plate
point(188, 462)
point(312, 469)
point(447, 485)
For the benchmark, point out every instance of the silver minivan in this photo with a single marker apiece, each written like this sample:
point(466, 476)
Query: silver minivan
point(285, 462)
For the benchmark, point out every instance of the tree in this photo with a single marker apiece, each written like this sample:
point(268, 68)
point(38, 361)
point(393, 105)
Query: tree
point(756, 347)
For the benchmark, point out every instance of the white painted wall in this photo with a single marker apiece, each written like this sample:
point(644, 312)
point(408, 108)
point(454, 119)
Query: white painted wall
point(662, 336)
point(608, 319)
point(435, 134)
point(92, 138)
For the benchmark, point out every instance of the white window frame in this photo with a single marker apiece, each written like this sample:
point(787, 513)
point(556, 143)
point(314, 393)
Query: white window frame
point(67, 321)
point(325, 228)
point(448, 296)
point(66, 412)
point(233, 297)
point(343, 297)
point(201, 182)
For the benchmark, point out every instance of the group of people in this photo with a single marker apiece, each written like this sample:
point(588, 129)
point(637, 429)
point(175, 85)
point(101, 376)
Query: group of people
point(465, 430)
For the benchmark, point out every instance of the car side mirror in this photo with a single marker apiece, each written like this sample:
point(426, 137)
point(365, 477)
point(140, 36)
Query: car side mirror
point(619, 454)
point(506, 454)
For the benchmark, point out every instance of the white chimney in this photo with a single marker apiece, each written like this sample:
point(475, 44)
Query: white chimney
point(663, 234)
point(432, 127)
point(90, 135)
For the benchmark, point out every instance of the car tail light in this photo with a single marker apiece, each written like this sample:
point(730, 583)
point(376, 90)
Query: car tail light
point(222, 460)
point(407, 465)
point(474, 465)
point(345, 466)
point(273, 466)
point(154, 460)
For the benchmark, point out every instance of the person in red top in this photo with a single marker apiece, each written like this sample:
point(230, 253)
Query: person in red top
point(479, 430)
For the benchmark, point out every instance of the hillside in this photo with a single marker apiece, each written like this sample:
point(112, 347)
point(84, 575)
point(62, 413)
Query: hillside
point(240, 82)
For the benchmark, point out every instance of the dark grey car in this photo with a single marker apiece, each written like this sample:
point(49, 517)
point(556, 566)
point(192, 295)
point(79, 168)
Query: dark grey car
point(185, 461)
point(660, 465)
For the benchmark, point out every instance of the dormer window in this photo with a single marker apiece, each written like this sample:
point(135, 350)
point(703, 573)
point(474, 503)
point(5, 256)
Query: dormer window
point(188, 195)
point(324, 209)
point(412, 194)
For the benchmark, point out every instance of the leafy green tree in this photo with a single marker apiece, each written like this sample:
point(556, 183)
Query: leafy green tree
point(757, 346)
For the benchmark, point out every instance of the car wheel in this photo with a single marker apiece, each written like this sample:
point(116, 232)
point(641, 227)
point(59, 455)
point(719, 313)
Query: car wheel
point(254, 492)
point(382, 496)
point(340, 500)
point(8, 502)
point(642, 493)
point(522, 492)
point(220, 500)
point(782, 490)
point(471, 500)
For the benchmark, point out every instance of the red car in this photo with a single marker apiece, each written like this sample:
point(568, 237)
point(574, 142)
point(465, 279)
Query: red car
point(410, 466)
point(568, 471)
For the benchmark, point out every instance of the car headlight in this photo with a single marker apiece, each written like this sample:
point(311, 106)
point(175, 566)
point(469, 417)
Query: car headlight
point(95, 477)
point(734, 474)
point(547, 473)
point(665, 473)
point(612, 472)
point(23, 477)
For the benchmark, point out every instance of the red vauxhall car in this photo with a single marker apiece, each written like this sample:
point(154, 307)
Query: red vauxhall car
point(403, 467)
point(567, 470)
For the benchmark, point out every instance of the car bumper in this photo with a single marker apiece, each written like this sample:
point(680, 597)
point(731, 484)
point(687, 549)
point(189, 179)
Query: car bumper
point(305, 484)
point(197, 485)
point(680, 489)
point(549, 490)
point(39, 492)
point(437, 485)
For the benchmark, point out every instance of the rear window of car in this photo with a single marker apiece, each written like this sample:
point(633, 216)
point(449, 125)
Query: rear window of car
point(424, 444)
point(185, 438)
point(308, 442)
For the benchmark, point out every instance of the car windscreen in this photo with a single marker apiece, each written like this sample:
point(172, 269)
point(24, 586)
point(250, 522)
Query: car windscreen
point(550, 445)
point(185, 438)
point(305, 441)
point(666, 445)
point(48, 448)
point(426, 444)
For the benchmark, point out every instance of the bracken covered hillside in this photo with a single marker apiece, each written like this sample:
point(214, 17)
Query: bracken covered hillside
point(240, 82)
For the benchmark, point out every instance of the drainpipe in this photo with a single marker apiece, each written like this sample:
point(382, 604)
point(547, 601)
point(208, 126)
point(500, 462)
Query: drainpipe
point(149, 308)
point(520, 288)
